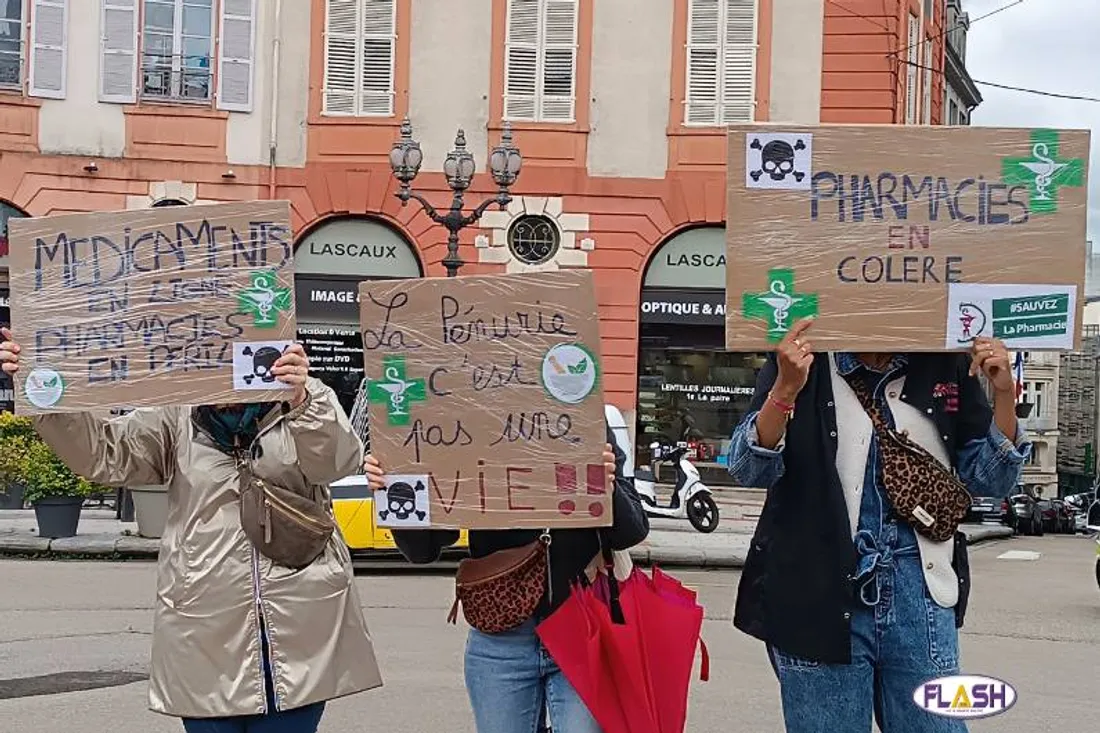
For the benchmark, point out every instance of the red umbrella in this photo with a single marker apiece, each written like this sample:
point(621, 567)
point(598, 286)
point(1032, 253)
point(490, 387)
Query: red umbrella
point(633, 676)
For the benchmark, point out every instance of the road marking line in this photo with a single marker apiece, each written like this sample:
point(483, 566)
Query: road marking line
point(1019, 555)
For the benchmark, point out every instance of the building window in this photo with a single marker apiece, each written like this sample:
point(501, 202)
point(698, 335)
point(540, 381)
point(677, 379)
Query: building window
point(360, 53)
point(928, 11)
point(913, 53)
point(1036, 394)
point(540, 61)
point(169, 202)
point(721, 62)
point(533, 239)
point(926, 83)
point(952, 112)
point(177, 49)
point(11, 44)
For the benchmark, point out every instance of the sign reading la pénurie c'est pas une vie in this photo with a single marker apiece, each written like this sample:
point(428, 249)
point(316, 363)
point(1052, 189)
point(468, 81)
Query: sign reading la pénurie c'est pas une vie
point(905, 238)
point(184, 305)
point(485, 401)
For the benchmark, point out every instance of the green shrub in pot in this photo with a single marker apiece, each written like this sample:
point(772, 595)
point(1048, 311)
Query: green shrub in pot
point(44, 475)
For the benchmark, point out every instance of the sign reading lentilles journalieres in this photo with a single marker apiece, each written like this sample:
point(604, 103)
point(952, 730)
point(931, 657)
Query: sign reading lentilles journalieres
point(165, 306)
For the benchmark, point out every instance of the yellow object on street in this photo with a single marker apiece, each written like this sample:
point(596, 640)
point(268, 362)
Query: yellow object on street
point(353, 506)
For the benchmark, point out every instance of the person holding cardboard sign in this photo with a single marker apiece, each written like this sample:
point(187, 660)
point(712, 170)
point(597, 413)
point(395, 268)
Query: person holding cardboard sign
point(857, 578)
point(510, 677)
point(242, 642)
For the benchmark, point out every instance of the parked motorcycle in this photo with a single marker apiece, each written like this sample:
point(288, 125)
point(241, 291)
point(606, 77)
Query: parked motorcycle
point(691, 498)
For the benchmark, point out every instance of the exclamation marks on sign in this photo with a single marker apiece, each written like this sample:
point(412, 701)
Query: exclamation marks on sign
point(565, 477)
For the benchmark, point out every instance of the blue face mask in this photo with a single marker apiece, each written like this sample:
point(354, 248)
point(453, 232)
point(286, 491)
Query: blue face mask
point(234, 426)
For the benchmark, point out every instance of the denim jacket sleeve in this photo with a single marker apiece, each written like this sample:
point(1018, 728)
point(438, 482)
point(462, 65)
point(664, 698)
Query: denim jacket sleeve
point(749, 463)
point(991, 466)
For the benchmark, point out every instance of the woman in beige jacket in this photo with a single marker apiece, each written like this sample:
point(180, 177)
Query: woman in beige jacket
point(239, 644)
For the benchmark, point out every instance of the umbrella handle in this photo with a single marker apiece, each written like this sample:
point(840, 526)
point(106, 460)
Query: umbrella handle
point(704, 667)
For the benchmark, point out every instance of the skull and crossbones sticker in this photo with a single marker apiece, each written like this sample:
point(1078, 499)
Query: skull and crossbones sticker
point(778, 160)
point(403, 503)
point(254, 364)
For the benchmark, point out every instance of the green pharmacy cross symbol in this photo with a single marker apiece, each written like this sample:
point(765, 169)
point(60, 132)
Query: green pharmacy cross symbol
point(1044, 172)
point(264, 300)
point(780, 305)
point(395, 390)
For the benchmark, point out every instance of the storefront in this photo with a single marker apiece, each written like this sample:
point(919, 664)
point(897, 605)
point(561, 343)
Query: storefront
point(689, 388)
point(329, 262)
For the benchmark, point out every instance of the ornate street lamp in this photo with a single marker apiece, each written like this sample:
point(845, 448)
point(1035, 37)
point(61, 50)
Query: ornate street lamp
point(505, 162)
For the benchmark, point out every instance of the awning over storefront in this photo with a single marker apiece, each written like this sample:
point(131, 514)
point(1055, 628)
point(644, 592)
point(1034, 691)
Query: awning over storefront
point(356, 247)
point(692, 260)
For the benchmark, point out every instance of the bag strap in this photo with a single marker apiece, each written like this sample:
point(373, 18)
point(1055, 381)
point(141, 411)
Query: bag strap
point(867, 401)
point(613, 603)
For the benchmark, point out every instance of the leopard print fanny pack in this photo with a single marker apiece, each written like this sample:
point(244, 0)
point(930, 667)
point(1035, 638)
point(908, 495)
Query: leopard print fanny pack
point(922, 491)
point(502, 590)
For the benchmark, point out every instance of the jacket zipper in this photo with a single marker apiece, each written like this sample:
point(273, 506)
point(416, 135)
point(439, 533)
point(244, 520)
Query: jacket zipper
point(261, 623)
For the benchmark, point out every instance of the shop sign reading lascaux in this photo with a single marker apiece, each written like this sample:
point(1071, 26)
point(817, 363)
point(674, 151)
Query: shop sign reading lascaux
point(695, 259)
point(357, 247)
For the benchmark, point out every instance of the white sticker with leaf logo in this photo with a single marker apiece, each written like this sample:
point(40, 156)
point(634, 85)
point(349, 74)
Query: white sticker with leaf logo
point(569, 373)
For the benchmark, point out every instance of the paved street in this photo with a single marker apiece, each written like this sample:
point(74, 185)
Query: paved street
point(1033, 623)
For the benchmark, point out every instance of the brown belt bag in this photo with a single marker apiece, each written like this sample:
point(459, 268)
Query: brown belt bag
point(286, 527)
point(922, 490)
point(500, 591)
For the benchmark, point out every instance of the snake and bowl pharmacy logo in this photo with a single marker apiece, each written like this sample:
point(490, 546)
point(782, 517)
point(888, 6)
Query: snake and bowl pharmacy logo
point(965, 696)
point(44, 387)
point(569, 373)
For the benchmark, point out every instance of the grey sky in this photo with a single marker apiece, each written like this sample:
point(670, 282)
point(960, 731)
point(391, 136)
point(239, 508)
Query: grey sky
point(1052, 45)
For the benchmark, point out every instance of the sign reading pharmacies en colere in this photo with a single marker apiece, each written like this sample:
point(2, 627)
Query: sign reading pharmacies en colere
point(902, 238)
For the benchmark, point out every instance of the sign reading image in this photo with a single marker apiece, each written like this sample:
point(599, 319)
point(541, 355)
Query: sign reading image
point(906, 238)
point(485, 401)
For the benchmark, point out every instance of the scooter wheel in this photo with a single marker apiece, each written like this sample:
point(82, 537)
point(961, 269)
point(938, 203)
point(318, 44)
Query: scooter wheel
point(702, 512)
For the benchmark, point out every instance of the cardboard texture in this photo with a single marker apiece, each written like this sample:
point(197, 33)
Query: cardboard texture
point(485, 401)
point(903, 238)
point(164, 306)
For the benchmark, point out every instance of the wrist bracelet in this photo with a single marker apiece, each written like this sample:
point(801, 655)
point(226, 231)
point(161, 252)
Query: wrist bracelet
point(783, 406)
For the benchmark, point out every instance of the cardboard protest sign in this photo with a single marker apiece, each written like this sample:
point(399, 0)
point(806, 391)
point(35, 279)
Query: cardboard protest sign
point(485, 402)
point(905, 238)
point(165, 306)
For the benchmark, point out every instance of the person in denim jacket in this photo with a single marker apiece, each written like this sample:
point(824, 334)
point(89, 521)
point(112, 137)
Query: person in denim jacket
point(857, 609)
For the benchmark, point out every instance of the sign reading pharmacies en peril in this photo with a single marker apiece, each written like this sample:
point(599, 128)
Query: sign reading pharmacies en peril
point(485, 401)
point(166, 306)
point(906, 238)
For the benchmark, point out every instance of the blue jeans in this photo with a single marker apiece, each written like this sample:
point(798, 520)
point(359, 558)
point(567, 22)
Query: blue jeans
point(900, 641)
point(511, 680)
point(300, 720)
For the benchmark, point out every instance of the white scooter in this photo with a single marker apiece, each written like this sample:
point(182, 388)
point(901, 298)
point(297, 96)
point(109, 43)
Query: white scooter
point(1092, 524)
point(690, 498)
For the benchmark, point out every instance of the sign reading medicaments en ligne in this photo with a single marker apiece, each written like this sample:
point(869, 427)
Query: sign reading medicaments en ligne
point(167, 306)
point(485, 401)
point(906, 238)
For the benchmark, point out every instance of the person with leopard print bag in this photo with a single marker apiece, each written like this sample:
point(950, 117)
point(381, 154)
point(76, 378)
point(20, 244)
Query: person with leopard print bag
point(857, 578)
point(512, 681)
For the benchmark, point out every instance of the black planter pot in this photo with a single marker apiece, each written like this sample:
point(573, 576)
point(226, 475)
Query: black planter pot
point(11, 497)
point(58, 516)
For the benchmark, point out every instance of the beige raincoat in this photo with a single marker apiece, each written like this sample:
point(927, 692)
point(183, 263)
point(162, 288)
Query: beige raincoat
point(211, 582)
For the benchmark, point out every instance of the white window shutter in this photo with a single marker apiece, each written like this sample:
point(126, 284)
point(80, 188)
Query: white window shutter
point(911, 71)
point(559, 61)
point(48, 53)
point(341, 40)
point(236, 49)
point(926, 109)
point(378, 48)
point(521, 62)
point(738, 88)
point(701, 98)
point(118, 51)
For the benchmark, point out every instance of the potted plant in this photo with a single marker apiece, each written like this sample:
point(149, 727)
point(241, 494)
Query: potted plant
point(56, 493)
point(150, 509)
point(16, 433)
